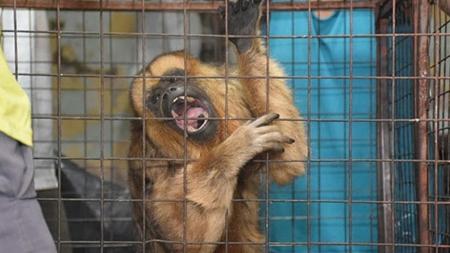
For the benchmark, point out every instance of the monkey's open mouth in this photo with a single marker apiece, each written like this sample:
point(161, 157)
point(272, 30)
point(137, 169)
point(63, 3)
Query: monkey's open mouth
point(195, 113)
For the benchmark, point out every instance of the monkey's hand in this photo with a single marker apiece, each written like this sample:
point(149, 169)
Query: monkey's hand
point(256, 137)
point(224, 162)
point(242, 18)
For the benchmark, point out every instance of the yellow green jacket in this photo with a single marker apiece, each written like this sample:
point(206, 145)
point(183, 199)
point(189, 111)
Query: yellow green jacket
point(15, 107)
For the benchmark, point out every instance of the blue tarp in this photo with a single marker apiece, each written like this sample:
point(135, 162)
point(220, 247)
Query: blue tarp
point(328, 99)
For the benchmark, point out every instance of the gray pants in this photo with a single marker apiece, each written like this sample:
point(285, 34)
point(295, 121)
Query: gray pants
point(22, 226)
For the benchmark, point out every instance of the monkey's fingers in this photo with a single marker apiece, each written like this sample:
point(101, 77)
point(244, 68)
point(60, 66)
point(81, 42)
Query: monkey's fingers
point(276, 137)
point(286, 139)
point(273, 146)
point(265, 119)
point(274, 129)
point(235, 6)
point(267, 129)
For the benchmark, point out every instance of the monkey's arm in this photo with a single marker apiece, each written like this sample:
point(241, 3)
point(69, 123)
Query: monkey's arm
point(210, 185)
point(273, 95)
point(266, 94)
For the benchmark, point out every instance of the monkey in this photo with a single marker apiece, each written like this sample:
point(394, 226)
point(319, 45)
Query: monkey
point(196, 159)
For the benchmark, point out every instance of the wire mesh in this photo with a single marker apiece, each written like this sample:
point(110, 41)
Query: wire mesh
point(400, 95)
point(439, 142)
point(97, 47)
point(415, 182)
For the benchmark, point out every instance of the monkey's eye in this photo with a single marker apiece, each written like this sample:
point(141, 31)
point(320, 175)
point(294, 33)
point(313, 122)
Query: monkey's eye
point(148, 185)
point(155, 97)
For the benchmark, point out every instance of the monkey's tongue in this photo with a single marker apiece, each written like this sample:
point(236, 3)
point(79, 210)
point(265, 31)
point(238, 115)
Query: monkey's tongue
point(195, 118)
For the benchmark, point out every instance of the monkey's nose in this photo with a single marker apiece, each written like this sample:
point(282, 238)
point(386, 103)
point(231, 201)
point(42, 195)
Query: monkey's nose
point(171, 92)
point(175, 89)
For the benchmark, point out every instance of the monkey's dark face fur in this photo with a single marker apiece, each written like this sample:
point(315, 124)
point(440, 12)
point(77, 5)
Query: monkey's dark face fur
point(188, 105)
point(176, 103)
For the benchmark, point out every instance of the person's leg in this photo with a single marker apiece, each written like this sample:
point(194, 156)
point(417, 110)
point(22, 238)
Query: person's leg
point(22, 226)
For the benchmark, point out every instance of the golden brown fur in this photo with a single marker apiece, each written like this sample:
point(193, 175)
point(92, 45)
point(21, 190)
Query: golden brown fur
point(218, 170)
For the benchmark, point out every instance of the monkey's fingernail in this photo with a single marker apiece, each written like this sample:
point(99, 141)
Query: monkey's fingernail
point(282, 150)
point(291, 140)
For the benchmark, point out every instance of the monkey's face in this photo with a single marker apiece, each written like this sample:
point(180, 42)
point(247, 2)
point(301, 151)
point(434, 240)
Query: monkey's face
point(187, 106)
point(175, 102)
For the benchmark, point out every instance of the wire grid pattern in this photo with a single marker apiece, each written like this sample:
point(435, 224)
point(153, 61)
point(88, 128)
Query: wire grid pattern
point(318, 86)
point(410, 217)
point(439, 137)
point(89, 65)
point(402, 106)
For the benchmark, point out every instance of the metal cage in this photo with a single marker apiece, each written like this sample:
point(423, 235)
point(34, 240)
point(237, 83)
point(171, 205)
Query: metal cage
point(407, 206)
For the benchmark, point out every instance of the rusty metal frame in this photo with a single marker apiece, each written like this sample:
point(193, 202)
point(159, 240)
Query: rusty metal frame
point(118, 5)
point(384, 172)
point(421, 16)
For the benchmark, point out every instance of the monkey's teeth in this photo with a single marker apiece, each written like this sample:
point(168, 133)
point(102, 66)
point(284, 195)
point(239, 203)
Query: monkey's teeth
point(177, 98)
point(174, 114)
point(205, 120)
point(188, 99)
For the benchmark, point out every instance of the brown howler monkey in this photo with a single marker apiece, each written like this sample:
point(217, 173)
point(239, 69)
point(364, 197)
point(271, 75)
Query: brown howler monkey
point(219, 174)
